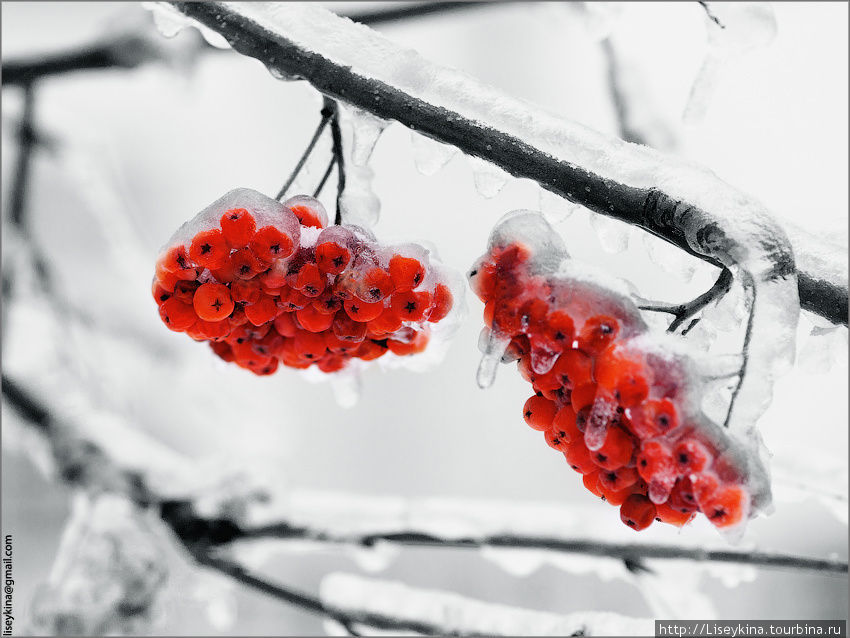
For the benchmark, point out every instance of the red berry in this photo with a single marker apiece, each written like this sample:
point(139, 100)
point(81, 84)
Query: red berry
point(598, 333)
point(565, 425)
point(654, 417)
point(332, 258)
point(539, 412)
point(238, 227)
point(726, 507)
point(369, 350)
point(616, 451)
point(310, 281)
point(310, 218)
point(618, 479)
point(363, 311)
point(309, 346)
point(637, 512)
point(406, 272)
point(583, 396)
point(441, 303)
point(555, 440)
point(622, 375)
point(209, 249)
point(291, 300)
point(346, 329)
point(668, 514)
point(338, 346)
point(417, 345)
point(704, 485)
point(246, 291)
point(331, 363)
point(212, 302)
point(327, 303)
point(691, 456)
point(578, 457)
point(385, 323)
point(614, 497)
point(655, 460)
point(159, 292)
point(574, 368)
point(262, 311)
point(178, 262)
point(377, 284)
point(185, 290)
point(312, 320)
point(177, 315)
point(203, 330)
point(245, 264)
point(682, 496)
point(223, 350)
point(591, 482)
point(410, 305)
point(270, 243)
point(285, 325)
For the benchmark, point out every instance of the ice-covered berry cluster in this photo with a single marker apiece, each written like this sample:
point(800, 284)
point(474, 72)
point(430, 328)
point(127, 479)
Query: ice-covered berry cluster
point(268, 283)
point(622, 408)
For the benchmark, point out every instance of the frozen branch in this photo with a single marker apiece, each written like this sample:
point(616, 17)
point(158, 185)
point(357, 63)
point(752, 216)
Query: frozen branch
point(633, 552)
point(683, 204)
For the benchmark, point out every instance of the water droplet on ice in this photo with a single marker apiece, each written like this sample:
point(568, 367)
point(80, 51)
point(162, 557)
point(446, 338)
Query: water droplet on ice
point(489, 179)
point(613, 235)
point(430, 156)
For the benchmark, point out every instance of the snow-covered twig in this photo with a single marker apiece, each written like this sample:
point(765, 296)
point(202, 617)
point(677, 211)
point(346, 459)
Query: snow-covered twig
point(684, 204)
point(460, 616)
point(602, 549)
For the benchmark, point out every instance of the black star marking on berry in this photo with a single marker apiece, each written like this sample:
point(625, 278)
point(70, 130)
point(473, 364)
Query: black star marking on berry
point(205, 249)
point(337, 261)
point(683, 458)
point(410, 306)
point(417, 278)
point(527, 413)
point(355, 309)
point(275, 248)
point(217, 304)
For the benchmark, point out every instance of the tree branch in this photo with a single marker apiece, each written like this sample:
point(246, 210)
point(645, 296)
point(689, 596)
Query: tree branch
point(654, 208)
point(622, 551)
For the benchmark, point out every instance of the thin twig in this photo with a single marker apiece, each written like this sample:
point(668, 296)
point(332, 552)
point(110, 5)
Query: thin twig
point(603, 549)
point(684, 311)
point(336, 134)
point(745, 348)
point(711, 15)
point(326, 115)
point(324, 179)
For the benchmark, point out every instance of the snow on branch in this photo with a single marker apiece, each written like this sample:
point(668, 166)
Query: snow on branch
point(682, 203)
point(460, 616)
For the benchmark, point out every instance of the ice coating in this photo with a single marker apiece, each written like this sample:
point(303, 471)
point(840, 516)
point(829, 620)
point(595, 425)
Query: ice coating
point(430, 156)
point(489, 179)
point(267, 283)
point(734, 28)
point(622, 404)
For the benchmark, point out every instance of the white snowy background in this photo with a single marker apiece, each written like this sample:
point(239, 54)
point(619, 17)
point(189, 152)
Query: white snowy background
point(138, 152)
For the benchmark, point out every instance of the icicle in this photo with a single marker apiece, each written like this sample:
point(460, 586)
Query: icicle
point(430, 156)
point(733, 29)
point(555, 209)
point(669, 258)
point(366, 129)
point(493, 347)
point(168, 20)
point(489, 179)
point(613, 236)
point(360, 205)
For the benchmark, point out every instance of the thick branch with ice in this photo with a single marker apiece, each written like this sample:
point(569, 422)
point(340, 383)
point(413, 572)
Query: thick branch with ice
point(684, 204)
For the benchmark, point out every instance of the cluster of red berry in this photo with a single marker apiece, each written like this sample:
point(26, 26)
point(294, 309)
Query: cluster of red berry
point(619, 413)
point(268, 283)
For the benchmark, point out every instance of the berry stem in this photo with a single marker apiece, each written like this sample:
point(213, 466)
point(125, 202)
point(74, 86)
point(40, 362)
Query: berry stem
point(683, 312)
point(336, 135)
point(324, 179)
point(326, 115)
